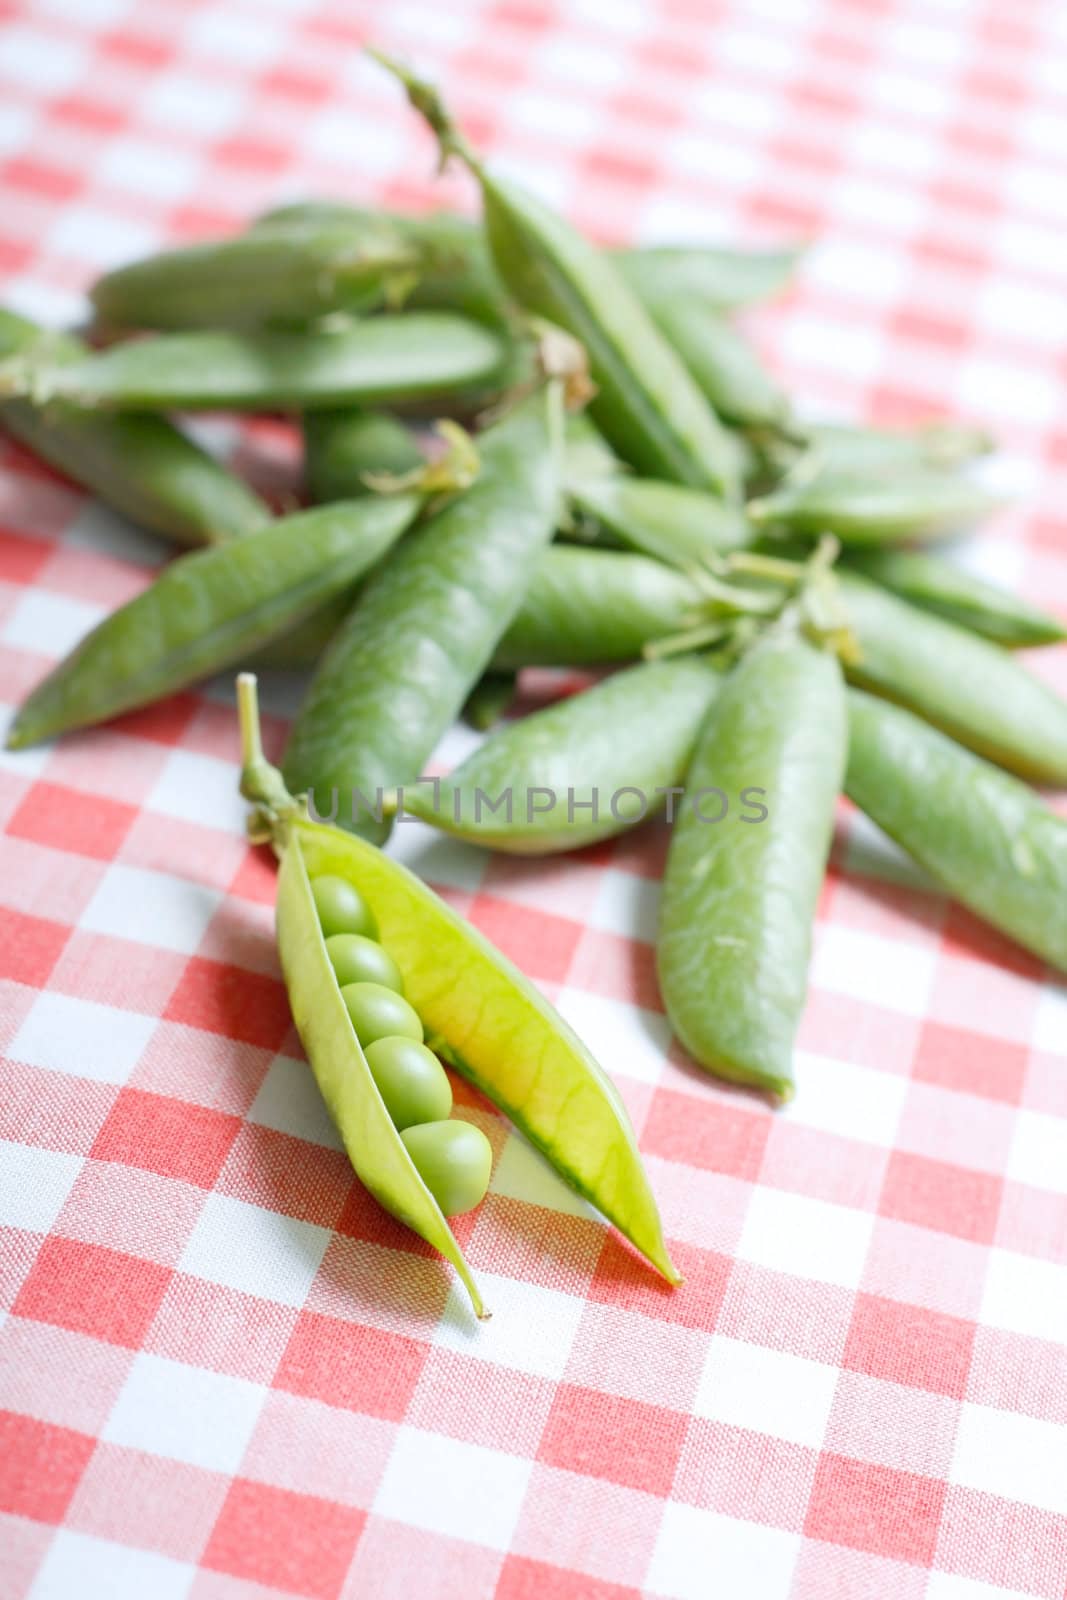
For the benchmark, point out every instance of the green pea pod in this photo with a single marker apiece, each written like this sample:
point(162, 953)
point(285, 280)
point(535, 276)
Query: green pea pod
point(678, 525)
point(864, 508)
point(984, 836)
point(259, 277)
point(389, 358)
point(592, 607)
point(584, 769)
point(489, 700)
point(957, 595)
point(646, 405)
point(492, 1024)
point(582, 608)
point(739, 894)
point(712, 276)
point(424, 629)
point(930, 444)
point(975, 692)
point(342, 447)
point(725, 367)
point(209, 610)
point(143, 466)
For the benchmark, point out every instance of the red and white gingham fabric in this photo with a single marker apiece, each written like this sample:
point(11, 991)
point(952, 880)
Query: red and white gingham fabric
point(223, 1373)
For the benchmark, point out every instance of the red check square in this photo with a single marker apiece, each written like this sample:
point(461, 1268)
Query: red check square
point(912, 1345)
point(231, 1001)
point(171, 1137)
point(876, 1509)
point(604, 1436)
point(523, 1579)
point(971, 1062)
point(938, 1195)
point(29, 947)
point(346, 1364)
point(288, 1541)
point(40, 1466)
point(85, 824)
point(93, 1290)
point(710, 1133)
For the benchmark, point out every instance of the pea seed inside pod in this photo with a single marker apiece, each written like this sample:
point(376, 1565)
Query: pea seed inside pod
point(357, 959)
point(341, 907)
point(454, 1160)
point(379, 1013)
point(411, 1081)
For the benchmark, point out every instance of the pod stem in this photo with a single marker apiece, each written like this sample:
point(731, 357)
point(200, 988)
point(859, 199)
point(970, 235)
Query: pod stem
point(457, 468)
point(426, 99)
point(261, 783)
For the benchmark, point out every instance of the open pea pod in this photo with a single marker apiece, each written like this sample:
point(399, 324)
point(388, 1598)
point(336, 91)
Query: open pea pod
point(490, 1021)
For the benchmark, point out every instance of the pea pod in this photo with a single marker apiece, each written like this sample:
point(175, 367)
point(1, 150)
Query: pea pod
point(864, 508)
point(495, 1027)
point(714, 277)
point(424, 630)
point(678, 525)
point(259, 277)
point(489, 700)
point(342, 447)
point(209, 610)
point(957, 595)
point(984, 836)
point(143, 466)
point(582, 770)
point(739, 894)
point(724, 366)
point(973, 691)
point(646, 404)
point(929, 444)
point(389, 358)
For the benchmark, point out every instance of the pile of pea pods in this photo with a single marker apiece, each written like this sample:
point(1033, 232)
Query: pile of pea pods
point(614, 481)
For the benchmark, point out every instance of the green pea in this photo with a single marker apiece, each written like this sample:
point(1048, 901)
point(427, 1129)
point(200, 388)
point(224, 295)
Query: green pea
point(341, 907)
point(380, 1013)
point(355, 958)
point(454, 1160)
point(410, 1079)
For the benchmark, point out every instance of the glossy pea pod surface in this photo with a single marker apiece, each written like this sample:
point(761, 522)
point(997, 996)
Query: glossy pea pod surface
point(499, 1031)
point(724, 366)
point(868, 508)
point(415, 357)
point(682, 526)
point(739, 895)
point(141, 465)
point(929, 444)
point(424, 630)
point(584, 769)
point(973, 691)
point(646, 404)
point(259, 277)
point(959, 596)
point(983, 835)
point(342, 447)
point(209, 610)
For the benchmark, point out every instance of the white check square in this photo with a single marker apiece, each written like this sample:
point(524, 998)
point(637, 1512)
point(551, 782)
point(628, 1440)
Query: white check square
point(462, 1491)
point(98, 1569)
point(200, 789)
point(50, 624)
point(699, 1554)
point(808, 1238)
point(1038, 1154)
point(82, 1038)
point(169, 1409)
point(289, 1101)
point(766, 1391)
point(34, 1184)
point(1025, 1295)
point(151, 908)
point(1013, 1456)
point(532, 1328)
point(257, 1251)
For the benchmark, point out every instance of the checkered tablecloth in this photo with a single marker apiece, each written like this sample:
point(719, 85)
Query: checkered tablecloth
point(223, 1373)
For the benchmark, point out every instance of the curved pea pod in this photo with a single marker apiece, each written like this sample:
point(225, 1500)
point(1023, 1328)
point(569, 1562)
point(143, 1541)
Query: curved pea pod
point(259, 277)
point(389, 358)
point(678, 525)
point(646, 405)
point(929, 444)
point(342, 447)
point(972, 690)
point(739, 895)
point(210, 609)
point(590, 607)
point(725, 367)
point(491, 1023)
point(424, 629)
point(957, 595)
point(143, 466)
point(866, 508)
point(489, 700)
point(983, 835)
point(713, 276)
point(584, 769)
